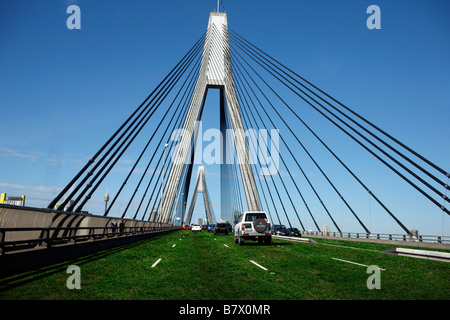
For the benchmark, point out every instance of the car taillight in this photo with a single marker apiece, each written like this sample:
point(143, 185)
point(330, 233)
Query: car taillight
point(243, 227)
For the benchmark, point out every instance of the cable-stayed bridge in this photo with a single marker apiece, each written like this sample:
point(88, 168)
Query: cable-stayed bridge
point(265, 147)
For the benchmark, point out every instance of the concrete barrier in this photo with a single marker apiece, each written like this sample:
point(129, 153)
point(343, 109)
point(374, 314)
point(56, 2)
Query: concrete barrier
point(33, 256)
point(423, 254)
point(27, 217)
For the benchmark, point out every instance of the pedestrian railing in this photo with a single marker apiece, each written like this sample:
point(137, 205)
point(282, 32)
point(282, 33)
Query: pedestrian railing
point(380, 236)
point(49, 237)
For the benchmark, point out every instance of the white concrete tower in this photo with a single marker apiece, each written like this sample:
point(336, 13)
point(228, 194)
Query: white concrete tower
point(200, 187)
point(215, 72)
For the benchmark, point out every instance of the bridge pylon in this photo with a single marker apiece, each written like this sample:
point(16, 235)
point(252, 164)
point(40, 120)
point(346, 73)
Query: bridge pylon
point(200, 187)
point(215, 72)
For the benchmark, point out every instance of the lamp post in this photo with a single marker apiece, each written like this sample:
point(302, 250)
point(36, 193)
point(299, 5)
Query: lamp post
point(106, 200)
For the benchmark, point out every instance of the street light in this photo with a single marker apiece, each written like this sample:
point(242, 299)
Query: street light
point(106, 200)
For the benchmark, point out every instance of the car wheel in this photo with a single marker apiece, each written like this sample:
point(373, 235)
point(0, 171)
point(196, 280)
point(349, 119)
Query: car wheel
point(241, 241)
point(268, 240)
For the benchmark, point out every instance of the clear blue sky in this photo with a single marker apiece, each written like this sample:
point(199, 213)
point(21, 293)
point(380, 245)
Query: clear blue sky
point(64, 92)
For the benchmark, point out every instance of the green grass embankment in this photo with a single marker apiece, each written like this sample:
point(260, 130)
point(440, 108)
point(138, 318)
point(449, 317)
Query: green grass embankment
point(197, 266)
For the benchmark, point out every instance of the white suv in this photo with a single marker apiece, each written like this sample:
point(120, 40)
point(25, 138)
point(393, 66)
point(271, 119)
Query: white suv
point(252, 225)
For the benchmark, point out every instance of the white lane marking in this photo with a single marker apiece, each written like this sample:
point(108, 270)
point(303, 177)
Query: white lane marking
point(157, 261)
point(359, 264)
point(258, 265)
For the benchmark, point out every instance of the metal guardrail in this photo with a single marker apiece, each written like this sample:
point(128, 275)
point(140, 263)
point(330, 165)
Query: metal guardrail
point(55, 236)
point(381, 236)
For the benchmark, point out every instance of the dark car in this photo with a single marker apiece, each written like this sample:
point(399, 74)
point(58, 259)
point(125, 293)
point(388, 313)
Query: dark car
point(294, 232)
point(280, 230)
point(221, 228)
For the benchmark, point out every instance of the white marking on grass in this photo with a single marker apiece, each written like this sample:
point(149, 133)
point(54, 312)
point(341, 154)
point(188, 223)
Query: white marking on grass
point(258, 265)
point(174, 245)
point(226, 245)
point(157, 261)
point(358, 264)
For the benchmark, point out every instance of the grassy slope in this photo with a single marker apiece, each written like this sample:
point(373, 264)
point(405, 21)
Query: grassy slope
point(200, 266)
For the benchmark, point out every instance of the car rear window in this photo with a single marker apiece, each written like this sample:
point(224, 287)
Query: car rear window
point(254, 216)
